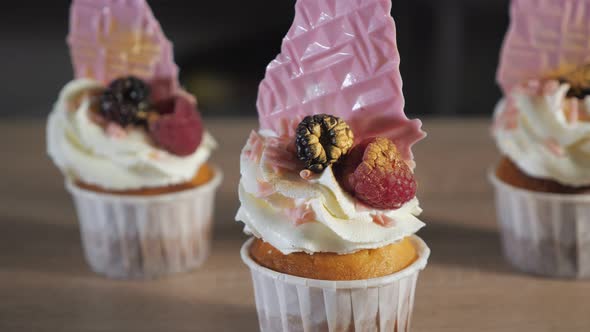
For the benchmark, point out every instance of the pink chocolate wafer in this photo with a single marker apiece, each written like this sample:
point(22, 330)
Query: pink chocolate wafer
point(545, 38)
point(113, 38)
point(340, 57)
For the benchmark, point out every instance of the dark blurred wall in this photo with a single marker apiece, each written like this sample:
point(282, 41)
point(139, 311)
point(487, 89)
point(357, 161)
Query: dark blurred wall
point(449, 52)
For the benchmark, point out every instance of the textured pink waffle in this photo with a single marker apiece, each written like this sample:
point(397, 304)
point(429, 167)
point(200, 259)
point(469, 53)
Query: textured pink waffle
point(340, 57)
point(113, 38)
point(546, 37)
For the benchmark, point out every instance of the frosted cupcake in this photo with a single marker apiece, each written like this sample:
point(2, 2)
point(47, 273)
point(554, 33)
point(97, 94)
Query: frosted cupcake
point(542, 129)
point(132, 146)
point(327, 187)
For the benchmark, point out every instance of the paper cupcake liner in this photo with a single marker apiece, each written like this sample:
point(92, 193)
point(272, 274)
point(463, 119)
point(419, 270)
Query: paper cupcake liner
point(144, 237)
point(544, 233)
point(288, 303)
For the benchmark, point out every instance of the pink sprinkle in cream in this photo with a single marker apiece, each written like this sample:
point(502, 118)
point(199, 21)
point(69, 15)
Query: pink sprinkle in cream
point(508, 120)
point(552, 145)
point(265, 189)
point(280, 155)
point(154, 155)
point(572, 110)
point(113, 130)
point(300, 215)
point(256, 147)
point(383, 220)
point(550, 87)
point(532, 87)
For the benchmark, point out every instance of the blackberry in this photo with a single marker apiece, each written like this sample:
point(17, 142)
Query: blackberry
point(126, 101)
point(322, 140)
point(578, 92)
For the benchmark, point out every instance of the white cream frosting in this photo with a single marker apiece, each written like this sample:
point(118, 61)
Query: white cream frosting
point(83, 150)
point(340, 224)
point(546, 140)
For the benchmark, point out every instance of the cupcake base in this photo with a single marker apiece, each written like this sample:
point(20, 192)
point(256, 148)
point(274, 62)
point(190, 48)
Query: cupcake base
point(289, 303)
point(203, 175)
point(145, 237)
point(363, 264)
point(546, 234)
point(509, 172)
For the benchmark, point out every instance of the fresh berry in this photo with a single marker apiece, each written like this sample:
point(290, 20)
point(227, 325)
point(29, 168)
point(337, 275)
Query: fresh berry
point(179, 132)
point(578, 79)
point(126, 101)
point(165, 106)
point(375, 173)
point(578, 92)
point(322, 140)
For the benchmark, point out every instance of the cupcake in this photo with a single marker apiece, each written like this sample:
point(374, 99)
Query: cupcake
point(132, 146)
point(327, 187)
point(542, 129)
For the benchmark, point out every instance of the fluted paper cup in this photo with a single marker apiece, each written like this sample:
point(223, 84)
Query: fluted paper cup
point(288, 303)
point(145, 237)
point(544, 233)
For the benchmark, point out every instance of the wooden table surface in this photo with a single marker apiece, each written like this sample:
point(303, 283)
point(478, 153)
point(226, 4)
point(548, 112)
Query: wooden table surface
point(46, 286)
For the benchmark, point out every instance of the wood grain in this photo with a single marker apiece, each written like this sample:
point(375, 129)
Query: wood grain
point(46, 286)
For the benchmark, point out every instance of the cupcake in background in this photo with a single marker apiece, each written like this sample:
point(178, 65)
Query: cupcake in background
point(327, 187)
point(132, 146)
point(542, 129)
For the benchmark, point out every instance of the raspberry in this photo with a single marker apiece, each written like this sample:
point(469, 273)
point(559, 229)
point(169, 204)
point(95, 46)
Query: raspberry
point(165, 106)
point(375, 173)
point(179, 132)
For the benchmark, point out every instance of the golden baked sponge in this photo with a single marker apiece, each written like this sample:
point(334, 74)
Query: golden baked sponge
point(363, 264)
point(203, 175)
point(509, 172)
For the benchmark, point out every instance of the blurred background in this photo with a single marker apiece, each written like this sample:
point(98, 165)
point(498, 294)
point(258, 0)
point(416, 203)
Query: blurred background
point(449, 52)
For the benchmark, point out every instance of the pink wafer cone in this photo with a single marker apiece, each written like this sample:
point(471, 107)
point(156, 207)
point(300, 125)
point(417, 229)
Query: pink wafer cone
point(340, 57)
point(109, 39)
point(545, 38)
